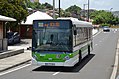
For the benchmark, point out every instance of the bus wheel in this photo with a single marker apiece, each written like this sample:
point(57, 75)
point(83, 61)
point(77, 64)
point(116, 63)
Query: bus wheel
point(88, 49)
point(80, 56)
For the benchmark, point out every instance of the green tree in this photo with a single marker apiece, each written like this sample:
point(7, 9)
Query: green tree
point(115, 21)
point(67, 14)
point(73, 9)
point(35, 5)
point(103, 17)
point(47, 6)
point(15, 9)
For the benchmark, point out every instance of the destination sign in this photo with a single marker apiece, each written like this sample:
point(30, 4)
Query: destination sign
point(49, 24)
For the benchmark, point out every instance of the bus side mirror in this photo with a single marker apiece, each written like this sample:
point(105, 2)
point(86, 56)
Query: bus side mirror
point(75, 32)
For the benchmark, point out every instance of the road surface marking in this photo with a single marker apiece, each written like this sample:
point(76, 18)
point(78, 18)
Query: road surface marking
point(100, 41)
point(96, 44)
point(114, 72)
point(3, 73)
point(114, 31)
point(97, 33)
point(56, 73)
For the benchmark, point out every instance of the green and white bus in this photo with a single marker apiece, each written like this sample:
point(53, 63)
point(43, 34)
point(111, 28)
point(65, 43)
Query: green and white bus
point(61, 42)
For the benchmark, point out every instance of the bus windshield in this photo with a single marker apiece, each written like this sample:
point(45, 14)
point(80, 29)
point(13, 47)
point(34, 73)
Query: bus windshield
point(52, 39)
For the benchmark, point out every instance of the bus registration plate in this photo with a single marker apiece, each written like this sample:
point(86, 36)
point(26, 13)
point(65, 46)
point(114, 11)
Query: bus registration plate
point(50, 64)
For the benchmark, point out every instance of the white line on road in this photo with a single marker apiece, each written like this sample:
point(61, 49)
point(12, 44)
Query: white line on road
point(96, 44)
point(100, 41)
point(56, 73)
point(14, 70)
point(114, 31)
point(114, 72)
point(97, 33)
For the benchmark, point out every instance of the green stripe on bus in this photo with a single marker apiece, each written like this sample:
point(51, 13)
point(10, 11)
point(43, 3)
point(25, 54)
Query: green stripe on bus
point(54, 57)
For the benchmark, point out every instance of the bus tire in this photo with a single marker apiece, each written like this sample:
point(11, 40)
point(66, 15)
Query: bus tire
point(80, 56)
point(88, 50)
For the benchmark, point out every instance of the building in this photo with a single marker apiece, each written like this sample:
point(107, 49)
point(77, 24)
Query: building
point(26, 27)
point(3, 40)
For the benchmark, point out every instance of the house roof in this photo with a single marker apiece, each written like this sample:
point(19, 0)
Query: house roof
point(4, 18)
point(36, 16)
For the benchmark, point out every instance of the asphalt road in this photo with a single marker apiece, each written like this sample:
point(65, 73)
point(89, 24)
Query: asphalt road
point(98, 65)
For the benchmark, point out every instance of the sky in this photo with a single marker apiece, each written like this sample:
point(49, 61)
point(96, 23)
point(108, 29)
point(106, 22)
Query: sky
point(112, 5)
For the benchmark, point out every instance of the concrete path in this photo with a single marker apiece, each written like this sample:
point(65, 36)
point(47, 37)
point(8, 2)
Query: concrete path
point(9, 62)
point(15, 60)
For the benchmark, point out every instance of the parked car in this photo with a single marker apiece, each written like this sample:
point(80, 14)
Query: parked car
point(13, 38)
point(106, 29)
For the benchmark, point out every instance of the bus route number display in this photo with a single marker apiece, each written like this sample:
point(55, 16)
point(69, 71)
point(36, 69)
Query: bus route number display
point(50, 24)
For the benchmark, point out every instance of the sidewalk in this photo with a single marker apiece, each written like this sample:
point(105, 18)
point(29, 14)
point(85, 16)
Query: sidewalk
point(10, 62)
point(17, 58)
point(25, 43)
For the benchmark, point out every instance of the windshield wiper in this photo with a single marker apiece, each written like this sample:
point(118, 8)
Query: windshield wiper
point(61, 44)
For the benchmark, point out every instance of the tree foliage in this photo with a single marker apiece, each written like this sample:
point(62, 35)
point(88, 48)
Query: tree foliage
point(47, 6)
point(103, 17)
point(73, 9)
point(64, 13)
point(38, 6)
point(13, 8)
point(33, 5)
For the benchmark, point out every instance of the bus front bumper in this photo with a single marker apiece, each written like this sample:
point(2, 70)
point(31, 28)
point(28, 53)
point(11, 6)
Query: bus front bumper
point(69, 63)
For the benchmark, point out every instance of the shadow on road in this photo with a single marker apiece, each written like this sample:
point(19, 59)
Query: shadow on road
point(76, 68)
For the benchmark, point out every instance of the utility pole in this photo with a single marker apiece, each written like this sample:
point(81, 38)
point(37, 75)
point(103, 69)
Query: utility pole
point(53, 9)
point(88, 11)
point(84, 10)
point(59, 8)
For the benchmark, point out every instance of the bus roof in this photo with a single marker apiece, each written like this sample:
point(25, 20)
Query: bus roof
point(76, 21)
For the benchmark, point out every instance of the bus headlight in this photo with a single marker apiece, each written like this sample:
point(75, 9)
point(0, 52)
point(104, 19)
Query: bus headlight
point(35, 57)
point(66, 57)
